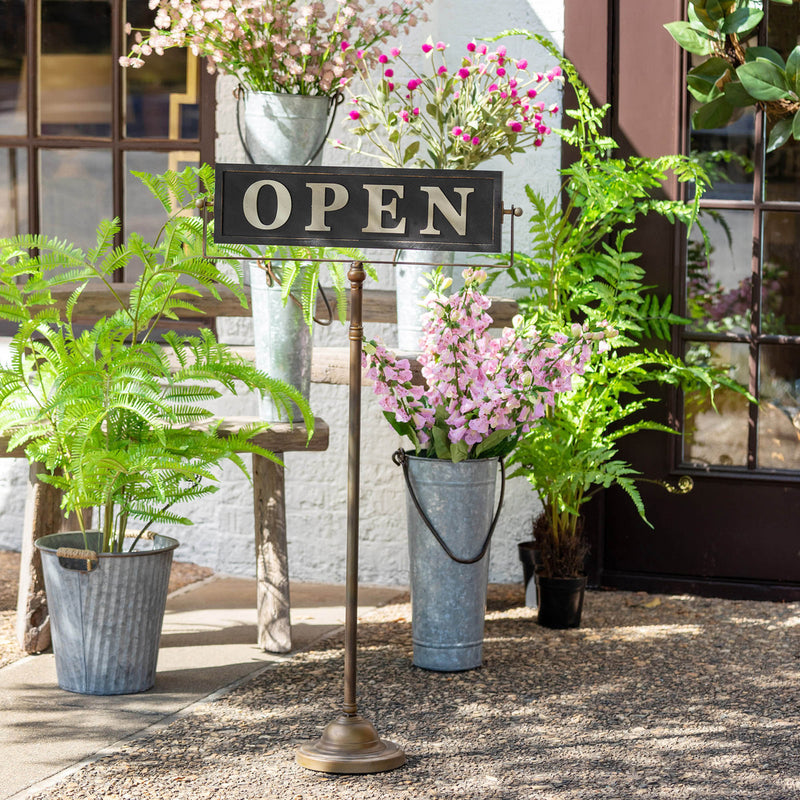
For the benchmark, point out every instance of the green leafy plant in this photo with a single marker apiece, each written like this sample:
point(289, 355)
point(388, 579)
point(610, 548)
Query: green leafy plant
point(735, 73)
point(581, 270)
point(116, 418)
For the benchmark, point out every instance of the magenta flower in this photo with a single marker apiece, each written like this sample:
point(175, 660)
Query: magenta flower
point(515, 126)
point(441, 46)
point(532, 93)
point(354, 114)
point(345, 45)
point(390, 86)
point(476, 141)
point(457, 131)
point(501, 71)
point(466, 137)
point(426, 48)
point(389, 73)
point(463, 73)
point(522, 64)
point(442, 70)
point(395, 51)
point(383, 58)
point(415, 111)
point(494, 88)
point(472, 47)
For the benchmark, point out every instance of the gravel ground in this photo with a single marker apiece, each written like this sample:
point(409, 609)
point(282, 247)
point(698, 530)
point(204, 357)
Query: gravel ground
point(653, 697)
point(182, 573)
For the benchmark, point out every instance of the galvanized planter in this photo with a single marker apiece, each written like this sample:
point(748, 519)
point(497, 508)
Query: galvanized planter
point(282, 129)
point(411, 291)
point(106, 622)
point(283, 343)
point(448, 599)
point(285, 128)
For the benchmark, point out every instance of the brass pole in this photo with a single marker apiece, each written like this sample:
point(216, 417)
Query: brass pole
point(350, 744)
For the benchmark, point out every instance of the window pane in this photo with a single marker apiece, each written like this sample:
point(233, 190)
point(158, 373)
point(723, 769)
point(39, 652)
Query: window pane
point(729, 151)
point(718, 284)
point(76, 68)
point(711, 438)
point(13, 192)
point(779, 413)
point(781, 282)
point(13, 93)
point(161, 96)
point(76, 194)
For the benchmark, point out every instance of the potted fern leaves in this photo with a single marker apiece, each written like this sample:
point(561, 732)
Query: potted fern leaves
point(581, 269)
point(114, 416)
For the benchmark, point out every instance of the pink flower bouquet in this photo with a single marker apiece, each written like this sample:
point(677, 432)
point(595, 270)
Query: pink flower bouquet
point(276, 45)
point(481, 391)
point(489, 103)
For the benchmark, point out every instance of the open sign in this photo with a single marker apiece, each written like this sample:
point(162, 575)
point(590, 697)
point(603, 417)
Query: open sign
point(363, 207)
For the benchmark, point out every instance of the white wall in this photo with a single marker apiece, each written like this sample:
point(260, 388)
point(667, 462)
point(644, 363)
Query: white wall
point(316, 483)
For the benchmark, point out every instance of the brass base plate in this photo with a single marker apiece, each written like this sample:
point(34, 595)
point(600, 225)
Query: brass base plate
point(350, 746)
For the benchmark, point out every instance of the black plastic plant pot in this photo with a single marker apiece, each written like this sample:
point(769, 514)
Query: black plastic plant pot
point(560, 601)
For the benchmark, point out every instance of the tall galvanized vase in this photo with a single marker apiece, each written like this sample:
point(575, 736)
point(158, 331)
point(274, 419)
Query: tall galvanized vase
point(106, 611)
point(451, 517)
point(410, 291)
point(282, 129)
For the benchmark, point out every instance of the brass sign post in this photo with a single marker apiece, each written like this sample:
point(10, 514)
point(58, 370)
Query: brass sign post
point(373, 208)
point(350, 744)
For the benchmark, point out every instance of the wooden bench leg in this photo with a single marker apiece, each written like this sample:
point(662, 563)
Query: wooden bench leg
point(42, 516)
point(272, 563)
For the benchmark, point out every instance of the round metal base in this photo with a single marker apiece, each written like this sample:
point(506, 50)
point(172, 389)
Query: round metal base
point(350, 746)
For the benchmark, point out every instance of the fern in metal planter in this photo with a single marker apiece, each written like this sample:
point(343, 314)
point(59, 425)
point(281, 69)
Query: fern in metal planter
point(116, 418)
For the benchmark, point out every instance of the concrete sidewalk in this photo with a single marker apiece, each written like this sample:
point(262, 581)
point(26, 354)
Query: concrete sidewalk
point(207, 644)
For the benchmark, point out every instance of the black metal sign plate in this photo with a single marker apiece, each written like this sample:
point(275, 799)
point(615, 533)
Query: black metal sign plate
point(358, 207)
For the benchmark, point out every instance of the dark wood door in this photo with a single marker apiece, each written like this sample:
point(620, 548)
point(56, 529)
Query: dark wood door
point(737, 534)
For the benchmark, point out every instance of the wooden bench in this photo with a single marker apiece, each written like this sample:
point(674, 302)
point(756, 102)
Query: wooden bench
point(43, 516)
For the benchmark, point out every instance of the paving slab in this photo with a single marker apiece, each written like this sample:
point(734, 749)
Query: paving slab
point(207, 643)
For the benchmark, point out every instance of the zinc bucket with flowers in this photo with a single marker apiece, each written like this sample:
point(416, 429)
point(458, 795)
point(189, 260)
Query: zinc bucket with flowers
point(480, 393)
point(458, 115)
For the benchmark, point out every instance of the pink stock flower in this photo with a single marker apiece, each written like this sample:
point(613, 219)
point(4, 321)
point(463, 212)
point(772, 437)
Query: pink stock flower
point(484, 384)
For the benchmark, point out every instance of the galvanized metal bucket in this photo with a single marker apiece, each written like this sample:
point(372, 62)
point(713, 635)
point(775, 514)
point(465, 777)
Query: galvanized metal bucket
point(283, 343)
point(448, 598)
point(411, 291)
point(106, 611)
point(285, 128)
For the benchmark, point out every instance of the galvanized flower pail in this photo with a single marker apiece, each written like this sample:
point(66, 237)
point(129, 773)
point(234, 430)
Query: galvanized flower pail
point(282, 129)
point(106, 611)
point(451, 517)
point(411, 266)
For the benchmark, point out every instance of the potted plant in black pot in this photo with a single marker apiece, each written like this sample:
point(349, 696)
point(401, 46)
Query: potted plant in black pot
point(115, 419)
point(580, 270)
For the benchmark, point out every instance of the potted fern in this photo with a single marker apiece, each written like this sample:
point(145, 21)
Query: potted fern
point(580, 269)
point(115, 419)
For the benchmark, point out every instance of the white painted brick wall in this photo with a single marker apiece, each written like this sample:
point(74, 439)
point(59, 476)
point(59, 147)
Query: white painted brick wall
point(316, 483)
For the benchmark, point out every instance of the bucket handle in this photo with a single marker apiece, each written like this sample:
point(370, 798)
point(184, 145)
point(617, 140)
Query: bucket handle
point(77, 560)
point(399, 458)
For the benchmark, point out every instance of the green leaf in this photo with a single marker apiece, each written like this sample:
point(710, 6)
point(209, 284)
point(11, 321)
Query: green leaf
point(704, 81)
point(698, 13)
point(689, 38)
point(780, 134)
point(793, 70)
point(763, 79)
point(742, 21)
point(796, 127)
point(459, 451)
point(411, 151)
point(753, 53)
point(715, 114)
point(441, 443)
point(783, 2)
point(718, 9)
point(737, 95)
